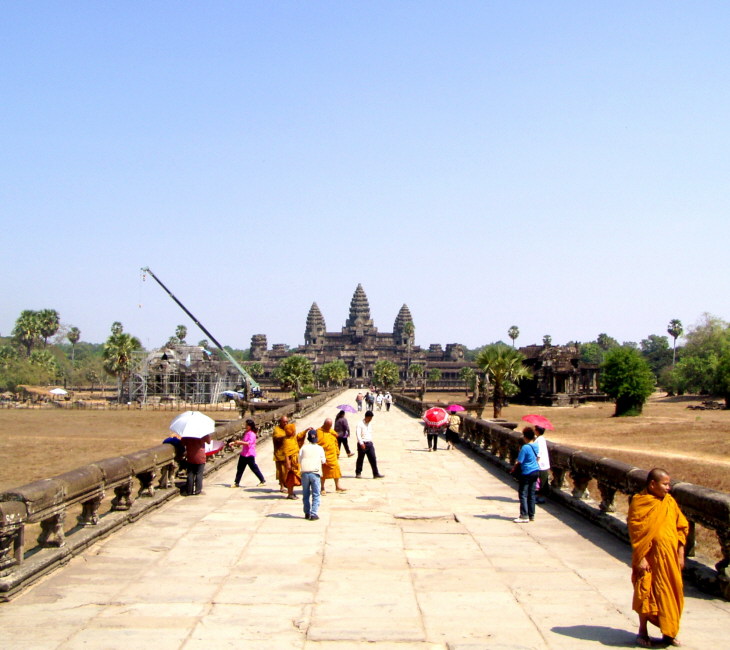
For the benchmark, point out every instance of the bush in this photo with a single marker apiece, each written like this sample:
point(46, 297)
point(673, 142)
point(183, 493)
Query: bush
point(627, 378)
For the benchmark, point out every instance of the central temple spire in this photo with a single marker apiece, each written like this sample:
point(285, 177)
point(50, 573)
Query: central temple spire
point(359, 321)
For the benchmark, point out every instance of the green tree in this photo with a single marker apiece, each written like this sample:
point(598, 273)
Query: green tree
point(254, 368)
point(49, 322)
point(45, 360)
point(180, 333)
point(627, 378)
point(513, 332)
point(118, 355)
point(333, 372)
point(547, 340)
point(591, 352)
point(385, 373)
point(504, 368)
point(27, 329)
point(415, 370)
point(675, 330)
point(705, 344)
point(655, 349)
point(409, 329)
point(293, 373)
point(434, 376)
point(73, 336)
point(606, 342)
point(469, 376)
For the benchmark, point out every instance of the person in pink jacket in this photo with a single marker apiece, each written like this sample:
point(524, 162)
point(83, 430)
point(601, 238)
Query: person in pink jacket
point(248, 454)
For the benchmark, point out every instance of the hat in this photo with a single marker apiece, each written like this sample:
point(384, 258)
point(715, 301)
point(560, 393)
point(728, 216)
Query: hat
point(312, 436)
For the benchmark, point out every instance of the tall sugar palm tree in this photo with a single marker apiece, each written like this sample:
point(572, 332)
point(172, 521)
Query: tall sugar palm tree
point(513, 332)
point(118, 355)
point(73, 336)
point(503, 367)
point(675, 330)
point(49, 321)
point(27, 329)
point(181, 332)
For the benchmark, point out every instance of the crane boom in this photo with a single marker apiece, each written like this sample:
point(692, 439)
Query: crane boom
point(248, 379)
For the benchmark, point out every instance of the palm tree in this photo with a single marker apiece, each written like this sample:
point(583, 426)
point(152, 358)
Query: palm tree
point(73, 336)
point(385, 373)
point(408, 330)
point(49, 322)
point(181, 332)
point(675, 330)
point(503, 368)
point(513, 332)
point(27, 329)
point(547, 340)
point(118, 355)
point(468, 375)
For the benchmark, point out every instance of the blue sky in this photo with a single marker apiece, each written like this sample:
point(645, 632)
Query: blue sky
point(559, 166)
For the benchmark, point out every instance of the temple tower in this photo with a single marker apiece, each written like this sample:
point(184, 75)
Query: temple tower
point(359, 324)
point(400, 336)
point(315, 330)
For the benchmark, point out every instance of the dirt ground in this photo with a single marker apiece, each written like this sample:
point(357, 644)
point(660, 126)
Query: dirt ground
point(40, 443)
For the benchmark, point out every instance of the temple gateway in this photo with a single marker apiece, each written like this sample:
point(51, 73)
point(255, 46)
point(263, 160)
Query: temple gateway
point(359, 344)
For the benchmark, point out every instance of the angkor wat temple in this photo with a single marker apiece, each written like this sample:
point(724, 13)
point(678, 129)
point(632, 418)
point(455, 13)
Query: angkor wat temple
point(359, 344)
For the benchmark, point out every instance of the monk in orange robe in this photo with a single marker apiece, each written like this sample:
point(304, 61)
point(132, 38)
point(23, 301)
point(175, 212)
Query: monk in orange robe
point(327, 439)
point(658, 532)
point(286, 455)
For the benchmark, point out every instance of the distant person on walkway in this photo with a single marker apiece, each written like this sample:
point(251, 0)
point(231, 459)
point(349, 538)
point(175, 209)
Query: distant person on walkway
point(388, 399)
point(195, 457)
point(365, 447)
point(432, 435)
point(527, 469)
point(342, 427)
point(379, 400)
point(543, 460)
point(658, 532)
point(327, 439)
point(452, 430)
point(358, 401)
point(370, 400)
point(311, 458)
point(286, 455)
point(247, 457)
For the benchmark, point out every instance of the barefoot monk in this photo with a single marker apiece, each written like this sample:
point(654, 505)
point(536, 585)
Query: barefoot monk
point(658, 532)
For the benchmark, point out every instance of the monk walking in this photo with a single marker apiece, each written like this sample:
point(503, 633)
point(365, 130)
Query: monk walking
point(658, 532)
point(286, 455)
point(327, 439)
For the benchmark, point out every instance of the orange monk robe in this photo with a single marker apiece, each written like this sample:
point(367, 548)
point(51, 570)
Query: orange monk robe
point(328, 441)
point(657, 527)
point(286, 446)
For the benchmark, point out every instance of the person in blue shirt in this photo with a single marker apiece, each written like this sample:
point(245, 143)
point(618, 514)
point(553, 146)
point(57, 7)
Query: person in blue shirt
point(528, 470)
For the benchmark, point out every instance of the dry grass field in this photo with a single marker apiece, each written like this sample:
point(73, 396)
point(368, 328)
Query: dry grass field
point(40, 443)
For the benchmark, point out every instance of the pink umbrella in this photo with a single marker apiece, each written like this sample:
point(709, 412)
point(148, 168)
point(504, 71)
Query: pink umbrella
point(455, 408)
point(436, 417)
point(539, 421)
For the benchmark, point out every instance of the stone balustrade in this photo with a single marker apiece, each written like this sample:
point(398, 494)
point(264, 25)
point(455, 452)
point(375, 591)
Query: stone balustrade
point(572, 472)
point(130, 478)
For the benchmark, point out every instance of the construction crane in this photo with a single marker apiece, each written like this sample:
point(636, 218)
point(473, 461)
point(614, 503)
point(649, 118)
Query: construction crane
point(248, 379)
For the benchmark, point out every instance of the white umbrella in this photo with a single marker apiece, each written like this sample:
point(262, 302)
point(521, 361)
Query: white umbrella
point(192, 424)
point(58, 391)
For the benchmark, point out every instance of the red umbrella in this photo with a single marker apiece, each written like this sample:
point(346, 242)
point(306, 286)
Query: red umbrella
point(455, 408)
point(539, 421)
point(436, 417)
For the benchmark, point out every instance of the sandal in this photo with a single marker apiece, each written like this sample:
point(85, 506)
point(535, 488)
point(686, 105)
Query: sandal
point(645, 642)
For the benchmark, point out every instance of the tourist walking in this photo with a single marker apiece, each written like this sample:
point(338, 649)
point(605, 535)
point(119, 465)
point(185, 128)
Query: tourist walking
point(452, 430)
point(247, 458)
point(342, 427)
point(365, 447)
point(543, 460)
point(658, 531)
point(327, 439)
point(379, 401)
point(527, 470)
point(358, 401)
point(388, 400)
point(311, 458)
point(432, 436)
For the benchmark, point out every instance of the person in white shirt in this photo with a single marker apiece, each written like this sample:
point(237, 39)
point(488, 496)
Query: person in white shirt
point(364, 434)
point(543, 460)
point(311, 459)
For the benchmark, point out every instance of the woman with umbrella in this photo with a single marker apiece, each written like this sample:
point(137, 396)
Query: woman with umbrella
point(194, 429)
point(435, 419)
point(452, 432)
point(342, 427)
